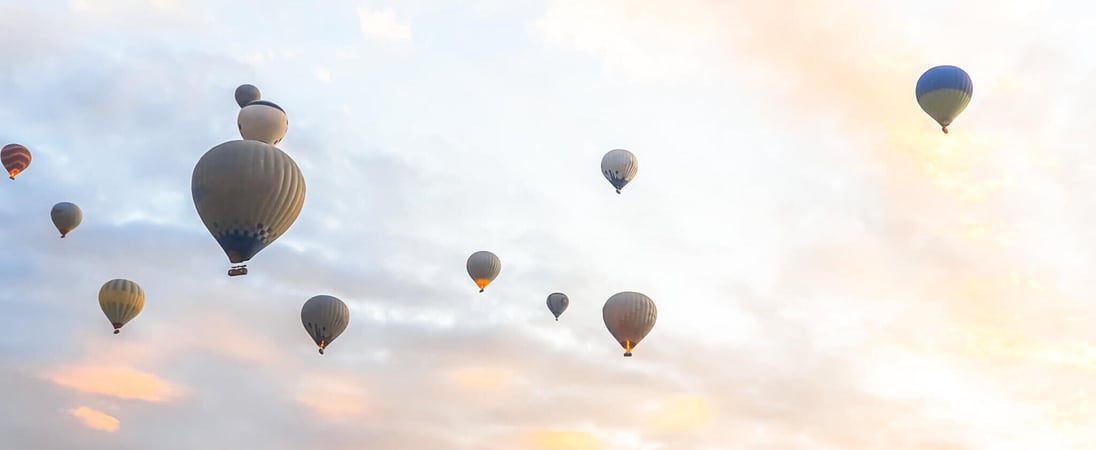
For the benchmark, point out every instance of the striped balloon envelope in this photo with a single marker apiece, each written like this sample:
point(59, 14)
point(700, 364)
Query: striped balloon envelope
point(121, 301)
point(619, 167)
point(483, 266)
point(15, 158)
point(943, 92)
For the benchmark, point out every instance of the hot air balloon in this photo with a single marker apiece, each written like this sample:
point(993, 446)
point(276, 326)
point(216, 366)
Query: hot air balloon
point(557, 303)
point(619, 167)
point(629, 316)
point(247, 193)
point(66, 217)
point(247, 93)
point(943, 92)
point(325, 318)
point(262, 121)
point(483, 267)
point(15, 158)
point(121, 300)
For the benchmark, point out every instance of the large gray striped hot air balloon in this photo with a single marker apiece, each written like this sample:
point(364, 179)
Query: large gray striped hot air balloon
point(66, 217)
point(121, 300)
point(325, 318)
point(262, 121)
point(248, 194)
point(619, 167)
point(246, 93)
point(557, 303)
point(629, 316)
point(483, 266)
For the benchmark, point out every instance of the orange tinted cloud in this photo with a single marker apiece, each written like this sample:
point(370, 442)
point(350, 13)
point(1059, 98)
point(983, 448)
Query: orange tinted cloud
point(563, 440)
point(485, 378)
point(122, 382)
point(682, 413)
point(224, 335)
point(95, 419)
point(333, 396)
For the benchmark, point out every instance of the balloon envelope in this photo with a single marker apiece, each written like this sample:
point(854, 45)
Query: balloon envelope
point(247, 93)
point(325, 318)
point(629, 316)
point(557, 303)
point(483, 266)
point(15, 158)
point(121, 301)
point(66, 217)
point(247, 194)
point(262, 121)
point(619, 167)
point(943, 92)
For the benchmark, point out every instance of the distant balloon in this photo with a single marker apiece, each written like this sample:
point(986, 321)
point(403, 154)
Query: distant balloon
point(121, 300)
point(483, 267)
point(15, 158)
point(557, 303)
point(629, 316)
point(325, 318)
point(263, 121)
point(66, 217)
point(943, 92)
point(247, 93)
point(247, 194)
point(619, 167)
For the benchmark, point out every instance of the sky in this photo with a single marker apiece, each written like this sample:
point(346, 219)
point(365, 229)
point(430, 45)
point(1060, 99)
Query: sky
point(830, 270)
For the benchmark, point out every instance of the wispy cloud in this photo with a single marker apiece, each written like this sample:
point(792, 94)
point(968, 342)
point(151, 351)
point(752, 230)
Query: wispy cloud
point(95, 419)
point(120, 382)
point(383, 25)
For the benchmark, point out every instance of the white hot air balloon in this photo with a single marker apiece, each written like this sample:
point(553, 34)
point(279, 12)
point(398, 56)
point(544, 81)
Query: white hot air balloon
point(483, 267)
point(557, 303)
point(325, 318)
point(121, 301)
point(619, 167)
point(263, 121)
point(248, 194)
point(629, 316)
point(66, 217)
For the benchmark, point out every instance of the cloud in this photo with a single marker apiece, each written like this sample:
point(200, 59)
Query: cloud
point(95, 419)
point(120, 382)
point(383, 25)
point(333, 397)
point(830, 270)
point(481, 378)
point(563, 440)
point(681, 413)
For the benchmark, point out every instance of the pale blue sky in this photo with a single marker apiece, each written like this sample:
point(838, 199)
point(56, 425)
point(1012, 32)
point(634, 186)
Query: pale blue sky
point(831, 271)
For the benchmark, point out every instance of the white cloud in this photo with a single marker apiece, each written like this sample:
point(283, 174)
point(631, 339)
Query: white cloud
point(383, 25)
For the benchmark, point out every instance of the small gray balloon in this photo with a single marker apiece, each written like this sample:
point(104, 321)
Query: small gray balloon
point(246, 93)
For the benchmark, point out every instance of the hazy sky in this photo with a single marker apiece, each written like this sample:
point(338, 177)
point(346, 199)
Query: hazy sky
point(831, 271)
